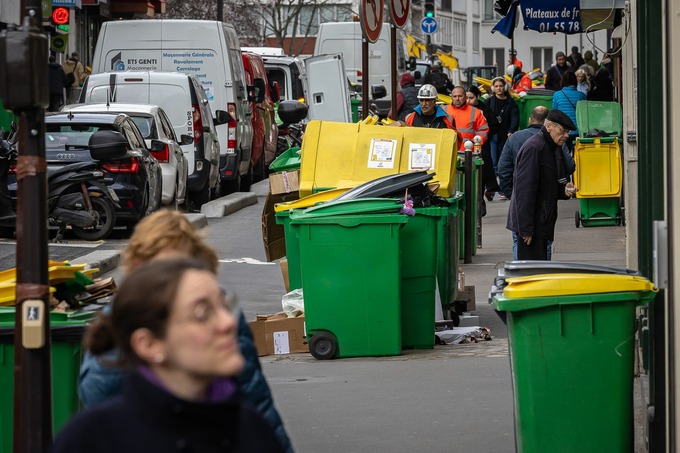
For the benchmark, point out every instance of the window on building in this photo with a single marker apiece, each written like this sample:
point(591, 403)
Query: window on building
point(445, 6)
point(444, 32)
point(475, 36)
point(489, 13)
point(310, 17)
point(459, 37)
point(493, 56)
point(541, 57)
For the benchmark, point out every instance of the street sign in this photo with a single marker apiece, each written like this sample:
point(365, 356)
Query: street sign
point(399, 10)
point(371, 18)
point(429, 25)
point(58, 43)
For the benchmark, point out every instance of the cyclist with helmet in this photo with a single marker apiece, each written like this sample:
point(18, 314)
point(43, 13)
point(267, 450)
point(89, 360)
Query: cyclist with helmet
point(521, 83)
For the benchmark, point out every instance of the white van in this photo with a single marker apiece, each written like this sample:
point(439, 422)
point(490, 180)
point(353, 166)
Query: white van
point(208, 50)
point(345, 38)
point(184, 101)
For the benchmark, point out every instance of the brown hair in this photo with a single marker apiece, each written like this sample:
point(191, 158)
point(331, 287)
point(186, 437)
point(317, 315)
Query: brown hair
point(166, 230)
point(144, 300)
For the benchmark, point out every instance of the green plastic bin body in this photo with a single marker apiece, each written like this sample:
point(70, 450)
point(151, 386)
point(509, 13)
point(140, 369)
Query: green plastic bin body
point(292, 250)
point(572, 368)
point(355, 104)
point(287, 161)
point(600, 211)
point(66, 357)
point(527, 103)
point(448, 253)
point(477, 163)
point(351, 274)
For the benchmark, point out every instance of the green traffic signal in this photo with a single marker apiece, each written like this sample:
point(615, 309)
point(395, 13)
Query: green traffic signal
point(429, 8)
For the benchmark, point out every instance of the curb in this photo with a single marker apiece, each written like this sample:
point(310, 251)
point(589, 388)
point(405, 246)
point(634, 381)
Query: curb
point(228, 205)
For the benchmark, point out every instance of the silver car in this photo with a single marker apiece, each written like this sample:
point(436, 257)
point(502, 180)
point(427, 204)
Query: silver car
point(160, 138)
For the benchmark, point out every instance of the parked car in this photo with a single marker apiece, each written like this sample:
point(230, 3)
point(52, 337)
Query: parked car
point(286, 72)
point(155, 127)
point(206, 49)
point(136, 177)
point(265, 130)
point(184, 100)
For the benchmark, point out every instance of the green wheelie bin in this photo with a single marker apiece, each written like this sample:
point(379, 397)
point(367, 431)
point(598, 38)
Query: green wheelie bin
point(572, 340)
point(67, 332)
point(351, 274)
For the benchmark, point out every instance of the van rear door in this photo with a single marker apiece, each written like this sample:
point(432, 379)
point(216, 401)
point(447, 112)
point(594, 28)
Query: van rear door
point(327, 91)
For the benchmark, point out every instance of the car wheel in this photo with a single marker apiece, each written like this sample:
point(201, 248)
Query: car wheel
point(247, 180)
point(230, 186)
point(199, 198)
point(106, 220)
point(323, 346)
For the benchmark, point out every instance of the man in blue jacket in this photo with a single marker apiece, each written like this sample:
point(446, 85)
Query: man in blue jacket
point(537, 187)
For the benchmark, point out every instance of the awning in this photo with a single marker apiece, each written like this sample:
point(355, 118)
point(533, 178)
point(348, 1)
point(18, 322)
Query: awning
point(147, 7)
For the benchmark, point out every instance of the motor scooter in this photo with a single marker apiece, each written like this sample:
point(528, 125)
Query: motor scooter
point(78, 194)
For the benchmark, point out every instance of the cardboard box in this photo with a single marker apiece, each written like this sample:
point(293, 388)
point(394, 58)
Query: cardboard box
point(272, 234)
point(279, 334)
point(284, 273)
point(284, 182)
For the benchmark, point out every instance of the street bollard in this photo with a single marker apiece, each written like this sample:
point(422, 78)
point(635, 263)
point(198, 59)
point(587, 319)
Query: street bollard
point(467, 248)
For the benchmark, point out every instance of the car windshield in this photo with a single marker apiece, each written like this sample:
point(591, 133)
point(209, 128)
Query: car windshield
point(72, 135)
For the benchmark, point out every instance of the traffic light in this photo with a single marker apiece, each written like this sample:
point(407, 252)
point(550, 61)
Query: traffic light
point(429, 8)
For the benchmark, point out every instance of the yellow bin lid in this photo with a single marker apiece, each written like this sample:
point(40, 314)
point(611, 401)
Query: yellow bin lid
point(548, 285)
point(310, 200)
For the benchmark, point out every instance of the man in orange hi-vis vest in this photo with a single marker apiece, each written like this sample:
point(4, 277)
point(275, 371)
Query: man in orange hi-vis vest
point(469, 120)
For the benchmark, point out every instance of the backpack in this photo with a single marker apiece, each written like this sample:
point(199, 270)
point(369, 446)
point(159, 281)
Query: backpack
point(69, 79)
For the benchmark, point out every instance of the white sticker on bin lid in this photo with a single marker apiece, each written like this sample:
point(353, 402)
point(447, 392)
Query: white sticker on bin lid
point(381, 153)
point(421, 156)
point(281, 343)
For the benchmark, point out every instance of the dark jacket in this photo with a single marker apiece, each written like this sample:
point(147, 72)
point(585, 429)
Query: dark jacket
point(553, 79)
point(603, 89)
point(440, 81)
point(98, 382)
point(407, 98)
point(506, 163)
point(533, 207)
point(147, 419)
point(57, 79)
point(509, 116)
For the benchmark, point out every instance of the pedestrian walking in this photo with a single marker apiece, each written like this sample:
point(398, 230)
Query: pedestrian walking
point(582, 82)
point(473, 97)
point(168, 234)
point(438, 79)
point(75, 73)
point(407, 98)
point(506, 165)
point(591, 61)
point(57, 79)
point(566, 101)
point(603, 89)
point(469, 120)
point(175, 327)
point(537, 187)
point(506, 112)
point(575, 59)
point(553, 78)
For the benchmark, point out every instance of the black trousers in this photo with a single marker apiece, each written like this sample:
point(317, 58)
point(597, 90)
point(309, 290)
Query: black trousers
point(538, 250)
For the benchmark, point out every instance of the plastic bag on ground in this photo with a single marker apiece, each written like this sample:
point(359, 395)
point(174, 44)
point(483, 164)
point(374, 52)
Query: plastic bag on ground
point(293, 303)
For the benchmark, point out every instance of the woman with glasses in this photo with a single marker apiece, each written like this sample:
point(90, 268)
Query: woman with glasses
point(163, 235)
point(178, 337)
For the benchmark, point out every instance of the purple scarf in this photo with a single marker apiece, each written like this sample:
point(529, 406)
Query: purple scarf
point(219, 390)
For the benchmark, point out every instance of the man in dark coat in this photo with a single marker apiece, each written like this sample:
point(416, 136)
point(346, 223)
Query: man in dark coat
point(553, 78)
point(407, 98)
point(575, 59)
point(537, 187)
point(57, 79)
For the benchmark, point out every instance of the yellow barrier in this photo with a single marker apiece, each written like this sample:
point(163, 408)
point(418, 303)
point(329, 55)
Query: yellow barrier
point(598, 168)
point(344, 155)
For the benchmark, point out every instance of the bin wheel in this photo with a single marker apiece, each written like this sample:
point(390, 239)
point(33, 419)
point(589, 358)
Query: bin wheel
point(577, 219)
point(323, 346)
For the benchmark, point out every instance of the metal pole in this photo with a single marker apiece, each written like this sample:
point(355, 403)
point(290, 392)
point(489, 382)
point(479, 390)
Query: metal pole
point(467, 249)
point(364, 78)
point(393, 69)
point(26, 51)
point(428, 45)
point(220, 10)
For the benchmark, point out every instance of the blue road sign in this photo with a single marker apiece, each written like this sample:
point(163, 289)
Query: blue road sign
point(429, 25)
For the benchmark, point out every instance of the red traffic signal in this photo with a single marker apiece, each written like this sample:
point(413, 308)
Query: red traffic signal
point(60, 16)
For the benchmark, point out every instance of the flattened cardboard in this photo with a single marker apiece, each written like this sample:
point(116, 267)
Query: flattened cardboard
point(284, 182)
point(272, 233)
point(279, 334)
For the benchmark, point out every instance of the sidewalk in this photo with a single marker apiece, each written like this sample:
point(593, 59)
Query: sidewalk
point(596, 245)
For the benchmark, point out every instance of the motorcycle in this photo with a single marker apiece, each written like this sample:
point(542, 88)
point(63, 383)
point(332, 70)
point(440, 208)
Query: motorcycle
point(78, 194)
point(292, 113)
